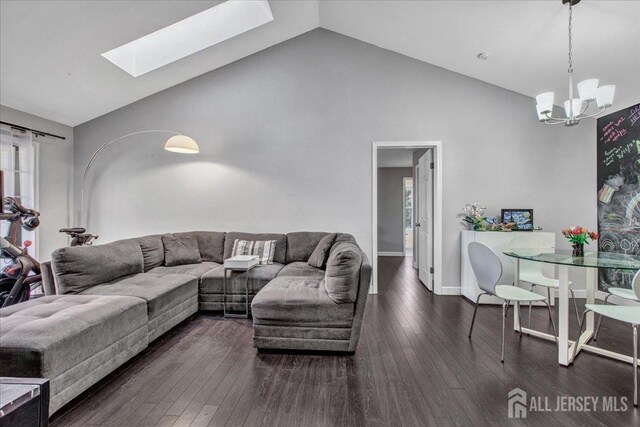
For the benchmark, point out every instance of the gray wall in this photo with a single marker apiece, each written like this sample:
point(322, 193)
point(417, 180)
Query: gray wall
point(390, 208)
point(286, 136)
point(54, 178)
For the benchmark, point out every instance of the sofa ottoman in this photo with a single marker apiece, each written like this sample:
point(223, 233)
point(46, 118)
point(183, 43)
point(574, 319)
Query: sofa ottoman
point(73, 340)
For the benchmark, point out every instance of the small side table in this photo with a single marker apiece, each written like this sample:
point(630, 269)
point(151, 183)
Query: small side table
point(246, 289)
point(24, 402)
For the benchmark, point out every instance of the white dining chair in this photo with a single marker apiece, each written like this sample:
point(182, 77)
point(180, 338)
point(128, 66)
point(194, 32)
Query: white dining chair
point(532, 272)
point(624, 293)
point(623, 313)
point(488, 270)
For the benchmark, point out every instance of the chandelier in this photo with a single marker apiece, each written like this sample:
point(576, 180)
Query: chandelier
point(579, 108)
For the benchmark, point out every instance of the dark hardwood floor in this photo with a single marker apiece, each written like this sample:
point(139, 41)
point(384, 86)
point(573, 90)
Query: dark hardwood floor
point(414, 366)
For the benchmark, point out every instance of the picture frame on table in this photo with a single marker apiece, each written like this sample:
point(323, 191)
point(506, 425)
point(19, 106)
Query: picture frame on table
point(523, 218)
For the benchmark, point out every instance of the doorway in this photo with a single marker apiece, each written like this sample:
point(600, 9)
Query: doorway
point(421, 225)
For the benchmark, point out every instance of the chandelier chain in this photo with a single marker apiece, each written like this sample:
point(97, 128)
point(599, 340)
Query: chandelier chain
point(570, 44)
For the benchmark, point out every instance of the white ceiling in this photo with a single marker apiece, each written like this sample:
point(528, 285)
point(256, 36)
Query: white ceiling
point(50, 63)
point(395, 158)
point(527, 40)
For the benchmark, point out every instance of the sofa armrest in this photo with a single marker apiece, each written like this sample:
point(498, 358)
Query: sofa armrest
point(361, 302)
point(48, 280)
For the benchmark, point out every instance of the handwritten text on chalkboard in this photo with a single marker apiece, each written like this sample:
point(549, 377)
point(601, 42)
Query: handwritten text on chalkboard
point(611, 131)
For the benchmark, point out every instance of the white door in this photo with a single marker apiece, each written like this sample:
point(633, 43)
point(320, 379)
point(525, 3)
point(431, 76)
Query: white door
point(425, 220)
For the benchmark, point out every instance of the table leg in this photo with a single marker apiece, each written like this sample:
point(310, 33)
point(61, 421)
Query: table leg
point(224, 293)
point(563, 315)
point(592, 280)
point(516, 282)
point(246, 300)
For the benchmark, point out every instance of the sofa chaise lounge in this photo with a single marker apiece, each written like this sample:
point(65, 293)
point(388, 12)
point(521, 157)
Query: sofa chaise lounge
point(107, 302)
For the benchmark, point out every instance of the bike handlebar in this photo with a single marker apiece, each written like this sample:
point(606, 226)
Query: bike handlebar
point(14, 206)
point(29, 217)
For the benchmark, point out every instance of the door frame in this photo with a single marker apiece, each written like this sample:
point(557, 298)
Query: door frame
point(437, 209)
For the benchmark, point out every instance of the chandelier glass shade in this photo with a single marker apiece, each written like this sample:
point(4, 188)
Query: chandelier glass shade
point(592, 100)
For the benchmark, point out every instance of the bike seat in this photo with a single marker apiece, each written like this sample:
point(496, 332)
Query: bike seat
point(74, 230)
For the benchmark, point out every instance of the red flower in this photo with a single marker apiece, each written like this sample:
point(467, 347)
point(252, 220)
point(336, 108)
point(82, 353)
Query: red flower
point(594, 235)
point(577, 231)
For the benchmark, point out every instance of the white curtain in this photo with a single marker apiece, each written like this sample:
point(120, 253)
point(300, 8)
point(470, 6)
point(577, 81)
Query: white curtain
point(18, 162)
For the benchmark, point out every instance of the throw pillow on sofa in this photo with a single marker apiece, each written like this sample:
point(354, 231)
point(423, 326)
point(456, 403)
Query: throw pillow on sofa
point(320, 254)
point(263, 248)
point(180, 250)
point(343, 270)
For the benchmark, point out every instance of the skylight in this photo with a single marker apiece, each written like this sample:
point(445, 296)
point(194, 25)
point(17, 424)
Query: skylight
point(191, 35)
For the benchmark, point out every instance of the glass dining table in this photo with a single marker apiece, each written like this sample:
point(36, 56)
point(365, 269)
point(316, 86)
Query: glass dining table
point(591, 262)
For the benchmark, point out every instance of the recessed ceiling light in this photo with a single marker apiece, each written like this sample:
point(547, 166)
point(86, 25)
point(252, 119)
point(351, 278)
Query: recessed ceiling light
point(191, 35)
point(483, 56)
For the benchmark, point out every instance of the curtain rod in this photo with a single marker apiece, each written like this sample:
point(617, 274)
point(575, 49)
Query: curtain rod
point(35, 131)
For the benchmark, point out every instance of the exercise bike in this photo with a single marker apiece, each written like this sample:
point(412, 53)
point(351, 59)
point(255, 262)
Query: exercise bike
point(79, 236)
point(22, 275)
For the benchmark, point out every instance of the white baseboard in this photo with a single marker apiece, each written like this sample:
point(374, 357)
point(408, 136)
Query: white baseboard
point(450, 290)
point(390, 253)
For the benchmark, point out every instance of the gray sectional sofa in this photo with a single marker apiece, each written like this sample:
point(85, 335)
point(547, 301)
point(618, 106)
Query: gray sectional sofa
point(110, 301)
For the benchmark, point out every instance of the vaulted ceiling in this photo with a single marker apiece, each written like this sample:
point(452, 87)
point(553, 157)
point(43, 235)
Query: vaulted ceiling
point(50, 63)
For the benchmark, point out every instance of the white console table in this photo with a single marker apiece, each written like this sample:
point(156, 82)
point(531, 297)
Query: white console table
point(498, 241)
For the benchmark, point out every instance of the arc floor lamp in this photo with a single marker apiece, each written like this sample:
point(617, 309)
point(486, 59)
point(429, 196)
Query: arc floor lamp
point(178, 143)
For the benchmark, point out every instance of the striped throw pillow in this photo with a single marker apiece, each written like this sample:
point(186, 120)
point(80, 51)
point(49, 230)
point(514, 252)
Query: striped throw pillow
point(263, 248)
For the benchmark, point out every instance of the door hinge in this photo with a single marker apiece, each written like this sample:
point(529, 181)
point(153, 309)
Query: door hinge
point(432, 165)
point(431, 270)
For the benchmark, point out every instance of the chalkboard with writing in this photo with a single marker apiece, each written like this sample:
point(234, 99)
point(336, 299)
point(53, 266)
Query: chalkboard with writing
point(619, 190)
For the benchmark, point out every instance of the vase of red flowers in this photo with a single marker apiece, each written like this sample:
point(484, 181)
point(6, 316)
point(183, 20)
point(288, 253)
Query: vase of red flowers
point(578, 236)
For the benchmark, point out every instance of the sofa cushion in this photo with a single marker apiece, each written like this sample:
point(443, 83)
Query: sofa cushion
point(210, 244)
point(320, 254)
point(161, 292)
point(343, 270)
point(196, 270)
point(301, 269)
point(259, 276)
point(80, 267)
point(47, 336)
point(299, 301)
point(152, 251)
point(301, 244)
point(180, 249)
point(279, 255)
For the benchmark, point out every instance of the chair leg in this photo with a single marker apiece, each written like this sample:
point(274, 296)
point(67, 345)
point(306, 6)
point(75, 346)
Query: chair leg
point(549, 300)
point(530, 304)
point(517, 307)
point(475, 310)
point(505, 310)
point(595, 336)
point(575, 305)
point(575, 346)
point(635, 365)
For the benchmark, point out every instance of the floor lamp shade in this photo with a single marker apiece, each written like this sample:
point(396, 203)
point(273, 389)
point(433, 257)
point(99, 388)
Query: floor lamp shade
point(181, 144)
